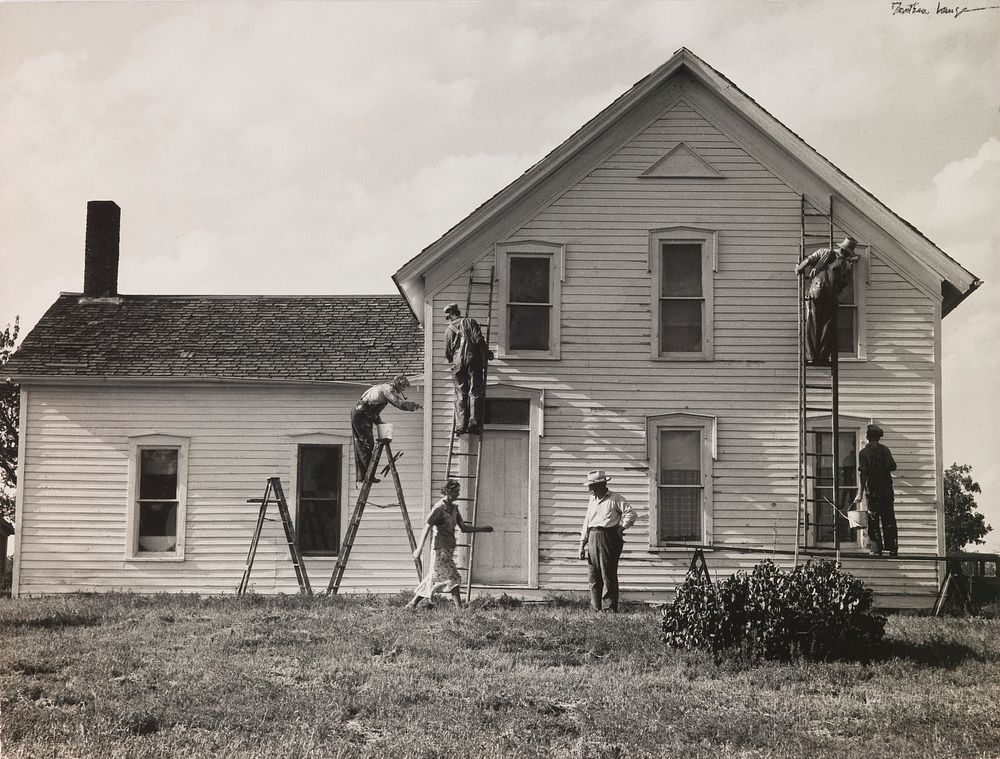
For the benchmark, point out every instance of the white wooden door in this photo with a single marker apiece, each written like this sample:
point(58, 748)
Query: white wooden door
point(501, 557)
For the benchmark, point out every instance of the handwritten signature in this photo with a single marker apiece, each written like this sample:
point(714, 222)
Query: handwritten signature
point(917, 9)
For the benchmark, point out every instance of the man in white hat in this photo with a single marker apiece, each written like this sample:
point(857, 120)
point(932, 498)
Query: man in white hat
point(602, 539)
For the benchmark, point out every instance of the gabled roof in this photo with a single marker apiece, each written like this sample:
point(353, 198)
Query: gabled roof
point(344, 338)
point(957, 282)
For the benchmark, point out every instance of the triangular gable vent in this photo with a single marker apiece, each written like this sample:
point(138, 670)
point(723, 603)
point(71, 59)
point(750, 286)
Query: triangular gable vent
point(681, 162)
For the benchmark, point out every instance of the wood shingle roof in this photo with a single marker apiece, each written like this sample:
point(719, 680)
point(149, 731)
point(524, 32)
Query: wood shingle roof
point(193, 337)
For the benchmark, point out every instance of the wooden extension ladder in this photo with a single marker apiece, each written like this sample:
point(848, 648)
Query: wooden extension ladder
point(359, 510)
point(273, 491)
point(479, 296)
point(825, 381)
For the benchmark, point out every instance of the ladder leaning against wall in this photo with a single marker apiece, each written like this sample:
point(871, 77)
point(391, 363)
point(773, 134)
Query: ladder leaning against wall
point(466, 466)
point(819, 393)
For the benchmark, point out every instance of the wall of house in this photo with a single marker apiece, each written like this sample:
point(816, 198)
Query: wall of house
point(75, 450)
point(598, 394)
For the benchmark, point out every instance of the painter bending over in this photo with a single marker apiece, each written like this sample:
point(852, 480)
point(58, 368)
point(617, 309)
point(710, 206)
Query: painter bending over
point(443, 574)
point(368, 412)
point(829, 273)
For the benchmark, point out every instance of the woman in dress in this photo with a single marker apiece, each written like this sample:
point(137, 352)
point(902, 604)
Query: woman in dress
point(443, 574)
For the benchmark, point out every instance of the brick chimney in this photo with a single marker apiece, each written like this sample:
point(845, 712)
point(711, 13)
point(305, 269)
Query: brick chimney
point(100, 269)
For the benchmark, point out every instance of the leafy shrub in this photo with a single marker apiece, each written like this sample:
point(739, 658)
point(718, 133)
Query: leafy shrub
point(815, 610)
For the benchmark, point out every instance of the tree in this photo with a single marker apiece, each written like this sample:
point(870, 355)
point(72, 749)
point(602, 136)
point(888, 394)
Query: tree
point(962, 523)
point(10, 400)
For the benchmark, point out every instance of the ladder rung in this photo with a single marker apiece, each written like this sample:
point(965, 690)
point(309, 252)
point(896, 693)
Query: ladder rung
point(480, 281)
point(479, 303)
point(816, 213)
point(821, 455)
point(819, 408)
point(461, 477)
point(819, 477)
point(819, 387)
point(462, 545)
point(457, 453)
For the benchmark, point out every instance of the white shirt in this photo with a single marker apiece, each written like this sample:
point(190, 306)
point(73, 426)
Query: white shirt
point(610, 510)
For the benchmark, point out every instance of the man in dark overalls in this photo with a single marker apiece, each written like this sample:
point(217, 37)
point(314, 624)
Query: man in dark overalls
point(466, 350)
point(875, 463)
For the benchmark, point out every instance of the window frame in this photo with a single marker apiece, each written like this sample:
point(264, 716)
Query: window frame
point(346, 443)
point(684, 235)
point(137, 444)
point(823, 424)
point(862, 279)
point(707, 427)
point(555, 252)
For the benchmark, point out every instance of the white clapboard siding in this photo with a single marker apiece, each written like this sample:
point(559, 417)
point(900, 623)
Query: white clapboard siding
point(76, 473)
point(599, 392)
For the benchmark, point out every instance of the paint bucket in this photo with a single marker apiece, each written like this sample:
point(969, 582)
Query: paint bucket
point(857, 518)
point(383, 432)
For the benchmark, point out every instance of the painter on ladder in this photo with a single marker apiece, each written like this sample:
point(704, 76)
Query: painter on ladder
point(829, 272)
point(603, 538)
point(466, 350)
point(367, 413)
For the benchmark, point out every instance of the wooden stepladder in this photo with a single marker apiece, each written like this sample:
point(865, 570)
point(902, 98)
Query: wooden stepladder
point(359, 510)
point(273, 491)
point(699, 566)
point(819, 393)
point(479, 296)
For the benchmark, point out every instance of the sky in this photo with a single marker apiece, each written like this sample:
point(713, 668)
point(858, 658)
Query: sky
point(312, 148)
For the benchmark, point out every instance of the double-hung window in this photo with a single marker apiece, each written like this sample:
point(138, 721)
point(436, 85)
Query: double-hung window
point(682, 264)
point(157, 497)
point(825, 515)
point(530, 280)
point(681, 454)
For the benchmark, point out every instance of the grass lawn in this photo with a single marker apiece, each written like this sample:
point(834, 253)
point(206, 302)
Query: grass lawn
point(129, 676)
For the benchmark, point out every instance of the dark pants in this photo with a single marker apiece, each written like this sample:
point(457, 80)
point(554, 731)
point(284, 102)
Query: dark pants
point(821, 337)
point(882, 522)
point(363, 419)
point(469, 402)
point(604, 549)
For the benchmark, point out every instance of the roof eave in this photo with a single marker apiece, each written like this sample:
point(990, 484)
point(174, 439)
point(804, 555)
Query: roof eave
point(950, 304)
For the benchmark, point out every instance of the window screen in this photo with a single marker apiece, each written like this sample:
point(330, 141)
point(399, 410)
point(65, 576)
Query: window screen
point(318, 528)
point(529, 305)
point(680, 485)
point(158, 500)
point(682, 299)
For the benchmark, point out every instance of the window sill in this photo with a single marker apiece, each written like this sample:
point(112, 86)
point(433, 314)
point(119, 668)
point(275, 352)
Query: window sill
point(678, 549)
point(527, 356)
point(155, 559)
point(684, 357)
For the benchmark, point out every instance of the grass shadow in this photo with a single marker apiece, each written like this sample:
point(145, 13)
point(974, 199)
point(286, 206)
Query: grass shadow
point(937, 653)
